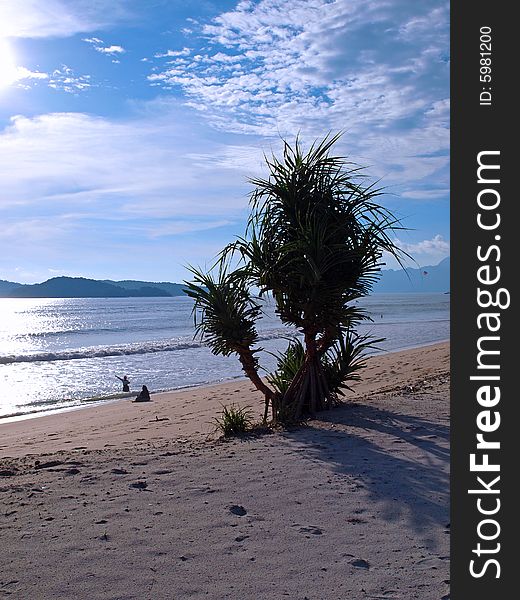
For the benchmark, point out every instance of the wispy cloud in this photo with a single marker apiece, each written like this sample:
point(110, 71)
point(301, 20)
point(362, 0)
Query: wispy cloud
point(89, 191)
point(375, 69)
point(111, 50)
point(67, 80)
point(436, 244)
point(64, 79)
point(179, 227)
point(313, 58)
point(423, 252)
point(98, 44)
point(59, 18)
point(170, 53)
point(426, 194)
point(23, 76)
point(93, 40)
point(142, 167)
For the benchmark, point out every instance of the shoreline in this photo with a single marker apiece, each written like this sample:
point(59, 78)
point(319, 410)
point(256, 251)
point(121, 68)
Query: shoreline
point(190, 411)
point(88, 403)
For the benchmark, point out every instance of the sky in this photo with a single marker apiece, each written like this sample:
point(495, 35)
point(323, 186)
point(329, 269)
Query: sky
point(129, 128)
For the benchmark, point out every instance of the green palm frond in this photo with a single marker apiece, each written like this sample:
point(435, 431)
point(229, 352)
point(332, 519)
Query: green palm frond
point(346, 358)
point(224, 311)
point(316, 234)
point(288, 364)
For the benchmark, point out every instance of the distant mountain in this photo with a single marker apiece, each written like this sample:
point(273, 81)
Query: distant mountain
point(80, 287)
point(7, 286)
point(426, 279)
point(173, 289)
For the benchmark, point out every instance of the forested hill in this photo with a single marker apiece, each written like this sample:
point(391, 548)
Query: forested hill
point(80, 287)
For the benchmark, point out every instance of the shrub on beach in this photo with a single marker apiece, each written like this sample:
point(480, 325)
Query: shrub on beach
point(234, 420)
point(314, 243)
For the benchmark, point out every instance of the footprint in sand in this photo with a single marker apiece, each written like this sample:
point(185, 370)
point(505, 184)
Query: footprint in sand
point(46, 465)
point(432, 562)
point(237, 510)
point(8, 472)
point(309, 529)
point(140, 485)
point(360, 563)
point(356, 520)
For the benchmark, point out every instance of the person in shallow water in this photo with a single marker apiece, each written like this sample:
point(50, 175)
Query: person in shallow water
point(144, 395)
point(126, 383)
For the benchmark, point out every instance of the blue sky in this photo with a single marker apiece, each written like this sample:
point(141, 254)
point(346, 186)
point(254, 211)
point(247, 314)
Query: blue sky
point(128, 128)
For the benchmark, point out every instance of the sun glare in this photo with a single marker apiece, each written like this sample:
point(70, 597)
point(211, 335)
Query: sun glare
point(8, 70)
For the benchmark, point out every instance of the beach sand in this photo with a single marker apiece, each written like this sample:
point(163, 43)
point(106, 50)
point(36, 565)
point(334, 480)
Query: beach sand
point(143, 501)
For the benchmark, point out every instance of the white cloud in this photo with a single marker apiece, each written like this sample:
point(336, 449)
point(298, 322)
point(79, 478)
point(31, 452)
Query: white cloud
point(22, 74)
point(374, 69)
point(58, 18)
point(110, 49)
point(436, 247)
point(65, 79)
point(179, 227)
point(99, 46)
point(426, 194)
point(169, 53)
point(93, 40)
point(90, 191)
point(423, 252)
point(142, 168)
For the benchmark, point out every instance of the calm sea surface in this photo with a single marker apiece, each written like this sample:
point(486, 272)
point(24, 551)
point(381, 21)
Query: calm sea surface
point(62, 353)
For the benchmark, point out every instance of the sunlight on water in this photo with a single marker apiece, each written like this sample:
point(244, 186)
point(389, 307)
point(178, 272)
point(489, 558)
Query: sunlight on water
point(24, 323)
point(66, 352)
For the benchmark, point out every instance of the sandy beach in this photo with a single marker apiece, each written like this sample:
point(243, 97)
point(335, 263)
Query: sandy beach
point(144, 501)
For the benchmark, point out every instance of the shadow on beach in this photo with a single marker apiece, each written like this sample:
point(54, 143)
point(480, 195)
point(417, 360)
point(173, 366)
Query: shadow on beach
point(400, 460)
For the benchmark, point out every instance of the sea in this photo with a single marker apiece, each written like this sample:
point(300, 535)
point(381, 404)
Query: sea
point(58, 354)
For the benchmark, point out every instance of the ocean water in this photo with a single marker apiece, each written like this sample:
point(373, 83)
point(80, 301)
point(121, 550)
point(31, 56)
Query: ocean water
point(63, 353)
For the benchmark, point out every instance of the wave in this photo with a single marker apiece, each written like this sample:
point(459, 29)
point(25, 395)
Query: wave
point(378, 322)
point(99, 352)
point(60, 332)
point(41, 407)
point(122, 350)
point(54, 403)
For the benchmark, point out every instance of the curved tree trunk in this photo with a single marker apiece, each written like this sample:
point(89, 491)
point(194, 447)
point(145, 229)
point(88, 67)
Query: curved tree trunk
point(249, 366)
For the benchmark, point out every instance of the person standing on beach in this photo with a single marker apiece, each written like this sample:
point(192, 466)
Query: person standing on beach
point(126, 383)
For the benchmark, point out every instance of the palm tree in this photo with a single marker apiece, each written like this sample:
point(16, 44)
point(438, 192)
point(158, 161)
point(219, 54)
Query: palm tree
point(314, 241)
point(225, 314)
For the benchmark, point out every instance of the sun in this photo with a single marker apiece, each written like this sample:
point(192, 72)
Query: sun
point(8, 70)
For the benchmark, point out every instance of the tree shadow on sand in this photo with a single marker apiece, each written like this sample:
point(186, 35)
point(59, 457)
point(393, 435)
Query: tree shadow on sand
point(401, 460)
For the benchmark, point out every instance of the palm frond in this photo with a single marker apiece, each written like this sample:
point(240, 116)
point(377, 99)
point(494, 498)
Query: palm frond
point(224, 310)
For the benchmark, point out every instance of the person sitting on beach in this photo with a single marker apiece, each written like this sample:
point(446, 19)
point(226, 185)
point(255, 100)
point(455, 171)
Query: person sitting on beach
point(126, 383)
point(144, 395)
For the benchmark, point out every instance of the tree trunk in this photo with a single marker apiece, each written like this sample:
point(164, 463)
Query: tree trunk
point(308, 392)
point(249, 366)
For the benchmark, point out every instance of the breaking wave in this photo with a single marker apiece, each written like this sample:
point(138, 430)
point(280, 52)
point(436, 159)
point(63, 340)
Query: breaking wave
point(125, 349)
